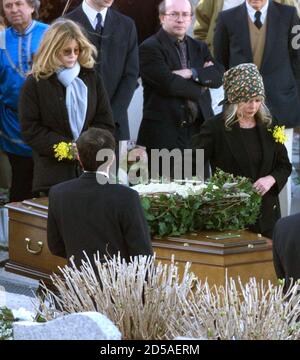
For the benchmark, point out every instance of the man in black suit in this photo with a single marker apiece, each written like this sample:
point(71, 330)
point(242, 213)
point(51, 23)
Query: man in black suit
point(89, 214)
point(176, 71)
point(286, 248)
point(144, 13)
point(115, 38)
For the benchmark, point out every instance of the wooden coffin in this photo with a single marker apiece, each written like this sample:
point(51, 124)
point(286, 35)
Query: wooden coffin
point(29, 254)
point(239, 253)
point(242, 253)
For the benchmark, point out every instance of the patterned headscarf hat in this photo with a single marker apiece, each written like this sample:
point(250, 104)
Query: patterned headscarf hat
point(242, 83)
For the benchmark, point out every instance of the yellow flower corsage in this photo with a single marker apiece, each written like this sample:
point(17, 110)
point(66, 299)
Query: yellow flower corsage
point(63, 151)
point(279, 134)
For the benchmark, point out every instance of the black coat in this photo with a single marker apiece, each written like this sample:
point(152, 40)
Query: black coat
point(165, 93)
point(45, 122)
point(225, 149)
point(84, 215)
point(144, 13)
point(286, 248)
point(280, 67)
point(117, 61)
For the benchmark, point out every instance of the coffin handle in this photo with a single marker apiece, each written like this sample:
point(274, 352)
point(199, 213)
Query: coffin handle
point(34, 252)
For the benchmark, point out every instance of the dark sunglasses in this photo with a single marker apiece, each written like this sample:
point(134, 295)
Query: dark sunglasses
point(69, 51)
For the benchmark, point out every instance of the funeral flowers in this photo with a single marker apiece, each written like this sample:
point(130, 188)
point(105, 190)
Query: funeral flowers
point(279, 134)
point(64, 151)
point(184, 190)
point(224, 202)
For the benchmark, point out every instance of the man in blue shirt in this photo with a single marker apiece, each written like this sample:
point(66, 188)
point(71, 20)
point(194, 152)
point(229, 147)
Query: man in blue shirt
point(18, 43)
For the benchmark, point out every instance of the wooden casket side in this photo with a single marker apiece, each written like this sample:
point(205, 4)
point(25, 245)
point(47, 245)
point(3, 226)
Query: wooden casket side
point(240, 253)
point(29, 254)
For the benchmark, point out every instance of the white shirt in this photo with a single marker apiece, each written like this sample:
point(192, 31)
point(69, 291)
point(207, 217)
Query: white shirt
point(263, 10)
point(91, 13)
point(228, 4)
point(103, 173)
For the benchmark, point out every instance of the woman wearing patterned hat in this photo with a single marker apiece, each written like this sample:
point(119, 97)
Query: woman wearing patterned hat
point(239, 141)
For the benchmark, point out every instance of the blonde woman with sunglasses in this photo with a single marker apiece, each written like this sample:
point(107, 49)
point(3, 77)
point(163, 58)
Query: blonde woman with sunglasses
point(63, 97)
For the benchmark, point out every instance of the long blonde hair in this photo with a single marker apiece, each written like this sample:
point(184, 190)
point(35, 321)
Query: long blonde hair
point(262, 116)
point(59, 34)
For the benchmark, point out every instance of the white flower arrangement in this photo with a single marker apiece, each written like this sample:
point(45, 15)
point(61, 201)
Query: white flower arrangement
point(223, 202)
point(183, 190)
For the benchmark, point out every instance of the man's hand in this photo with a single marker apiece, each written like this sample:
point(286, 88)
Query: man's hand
point(264, 184)
point(185, 73)
point(208, 63)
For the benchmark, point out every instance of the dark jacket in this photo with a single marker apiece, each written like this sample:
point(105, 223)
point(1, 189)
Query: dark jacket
point(280, 67)
point(166, 94)
point(286, 248)
point(144, 14)
point(84, 215)
point(45, 122)
point(117, 61)
point(225, 149)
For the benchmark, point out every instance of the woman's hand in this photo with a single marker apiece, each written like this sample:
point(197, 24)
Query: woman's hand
point(75, 151)
point(264, 184)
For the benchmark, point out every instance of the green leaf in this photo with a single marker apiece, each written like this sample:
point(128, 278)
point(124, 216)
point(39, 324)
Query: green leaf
point(162, 228)
point(146, 203)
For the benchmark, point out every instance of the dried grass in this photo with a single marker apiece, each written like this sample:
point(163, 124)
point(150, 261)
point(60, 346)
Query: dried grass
point(237, 311)
point(148, 300)
point(139, 297)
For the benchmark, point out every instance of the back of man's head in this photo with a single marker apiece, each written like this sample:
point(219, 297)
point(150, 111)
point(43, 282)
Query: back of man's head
point(89, 143)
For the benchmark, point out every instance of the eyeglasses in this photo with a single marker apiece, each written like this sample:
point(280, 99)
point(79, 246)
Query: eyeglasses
point(68, 51)
point(176, 15)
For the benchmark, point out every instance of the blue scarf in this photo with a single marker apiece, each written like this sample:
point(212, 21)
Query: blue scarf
point(76, 97)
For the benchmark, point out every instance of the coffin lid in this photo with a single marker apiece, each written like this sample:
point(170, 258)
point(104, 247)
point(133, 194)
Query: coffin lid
point(209, 241)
